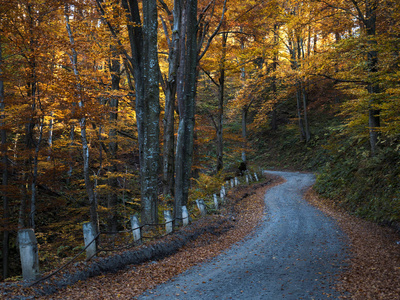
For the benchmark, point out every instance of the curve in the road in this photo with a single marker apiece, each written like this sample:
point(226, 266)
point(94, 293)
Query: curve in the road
point(295, 253)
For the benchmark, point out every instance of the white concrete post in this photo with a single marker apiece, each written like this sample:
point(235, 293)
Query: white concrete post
point(236, 181)
point(215, 201)
point(185, 216)
point(222, 194)
point(250, 177)
point(227, 183)
point(29, 254)
point(89, 236)
point(135, 229)
point(168, 221)
point(202, 206)
point(232, 183)
point(247, 179)
point(255, 176)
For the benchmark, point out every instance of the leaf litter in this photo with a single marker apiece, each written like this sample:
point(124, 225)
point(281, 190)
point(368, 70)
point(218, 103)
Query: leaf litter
point(242, 213)
point(373, 270)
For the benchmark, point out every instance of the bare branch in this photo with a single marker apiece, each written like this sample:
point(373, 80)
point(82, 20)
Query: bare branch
point(209, 76)
point(360, 14)
point(167, 37)
point(114, 34)
point(214, 33)
point(165, 7)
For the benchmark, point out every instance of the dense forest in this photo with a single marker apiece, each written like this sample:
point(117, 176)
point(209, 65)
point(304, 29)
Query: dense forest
point(110, 108)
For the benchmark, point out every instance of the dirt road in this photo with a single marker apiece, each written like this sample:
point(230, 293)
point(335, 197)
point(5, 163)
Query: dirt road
point(296, 253)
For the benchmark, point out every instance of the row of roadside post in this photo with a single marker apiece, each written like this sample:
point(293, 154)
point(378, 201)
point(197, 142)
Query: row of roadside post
point(29, 248)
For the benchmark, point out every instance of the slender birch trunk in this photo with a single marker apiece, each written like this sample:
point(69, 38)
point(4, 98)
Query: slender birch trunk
point(82, 122)
point(4, 169)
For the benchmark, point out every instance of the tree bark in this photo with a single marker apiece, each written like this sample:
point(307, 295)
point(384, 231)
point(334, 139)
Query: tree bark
point(144, 64)
point(113, 144)
point(170, 94)
point(244, 133)
point(82, 122)
point(299, 115)
point(373, 87)
point(34, 178)
point(151, 126)
point(186, 104)
point(4, 168)
point(220, 116)
point(307, 133)
point(274, 125)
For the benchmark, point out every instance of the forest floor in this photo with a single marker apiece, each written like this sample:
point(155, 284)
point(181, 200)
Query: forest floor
point(373, 271)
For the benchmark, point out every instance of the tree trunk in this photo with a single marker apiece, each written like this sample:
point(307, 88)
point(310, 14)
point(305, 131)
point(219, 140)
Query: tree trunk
point(150, 125)
point(85, 147)
point(34, 178)
point(113, 145)
point(4, 168)
point(50, 138)
point(170, 93)
point(220, 116)
point(274, 125)
point(299, 115)
point(307, 133)
point(294, 64)
point(373, 87)
point(244, 133)
point(186, 103)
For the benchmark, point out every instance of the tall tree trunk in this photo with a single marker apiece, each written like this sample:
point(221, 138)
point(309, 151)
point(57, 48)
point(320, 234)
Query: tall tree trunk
point(34, 178)
point(274, 125)
point(170, 93)
point(299, 114)
point(113, 145)
point(150, 125)
point(295, 54)
point(32, 87)
point(220, 116)
point(244, 133)
point(144, 66)
point(82, 122)
point(307, 133)
point(71, 153)
point(373, 87)
point(50, 138)
point(186, 103)
point(4, 169)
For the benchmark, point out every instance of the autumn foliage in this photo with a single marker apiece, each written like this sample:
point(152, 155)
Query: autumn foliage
point(80, 140)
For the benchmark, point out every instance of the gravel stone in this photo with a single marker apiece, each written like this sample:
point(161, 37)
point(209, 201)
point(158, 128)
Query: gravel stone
point(296, 253)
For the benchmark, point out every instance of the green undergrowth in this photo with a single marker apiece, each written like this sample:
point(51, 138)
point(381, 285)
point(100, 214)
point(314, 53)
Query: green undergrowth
point(367, 186)
point(282, 149)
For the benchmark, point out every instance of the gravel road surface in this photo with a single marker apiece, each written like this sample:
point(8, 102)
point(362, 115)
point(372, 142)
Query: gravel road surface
point(296, 253)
